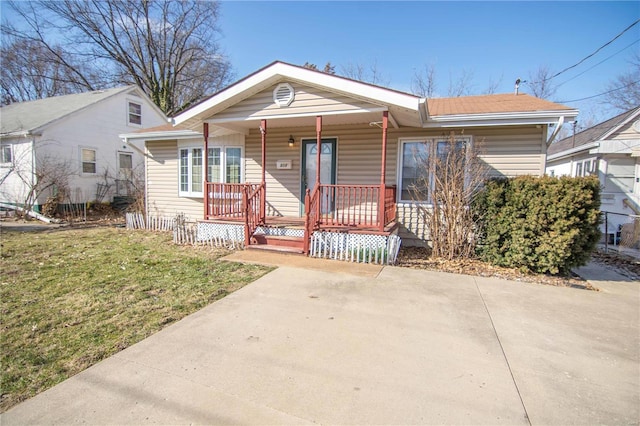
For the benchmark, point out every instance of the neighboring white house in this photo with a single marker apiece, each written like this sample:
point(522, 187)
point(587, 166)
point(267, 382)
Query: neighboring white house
point(610, 150)
point(74, 139)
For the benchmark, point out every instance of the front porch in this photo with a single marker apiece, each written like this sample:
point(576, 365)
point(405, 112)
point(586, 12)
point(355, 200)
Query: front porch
point(326, 207)
point(344, 209)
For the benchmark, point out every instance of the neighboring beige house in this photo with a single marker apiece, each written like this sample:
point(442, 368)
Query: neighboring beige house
point(250, 153)
point(610, 150)
point(74, 138)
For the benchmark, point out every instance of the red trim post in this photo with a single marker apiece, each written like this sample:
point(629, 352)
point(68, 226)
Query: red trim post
point(205, 160)
point(383, 170)
point(318, 154)
point(263, 200)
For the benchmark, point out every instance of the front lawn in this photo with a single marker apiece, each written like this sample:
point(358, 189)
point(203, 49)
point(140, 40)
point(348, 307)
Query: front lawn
point(71, 298)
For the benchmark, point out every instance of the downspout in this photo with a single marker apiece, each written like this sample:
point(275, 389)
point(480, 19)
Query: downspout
point(205, 155)
point(556, 130)
point(33, 167)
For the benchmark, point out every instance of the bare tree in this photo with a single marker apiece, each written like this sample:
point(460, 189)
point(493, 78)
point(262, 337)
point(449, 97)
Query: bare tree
point(30, 71)
point(460, 86)
point(624, 90)
point(493, 85)
point(423, 83)
point(168, 48)
point(450, 174)
point(540, 83)
point(368, 73)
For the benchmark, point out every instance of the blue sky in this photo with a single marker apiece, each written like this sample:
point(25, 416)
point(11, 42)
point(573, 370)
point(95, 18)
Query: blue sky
point(493, 40)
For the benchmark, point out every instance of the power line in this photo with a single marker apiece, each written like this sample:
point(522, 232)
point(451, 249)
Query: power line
point(586, 57)
point(600, 94)
point(592, 67)
point(596, 51)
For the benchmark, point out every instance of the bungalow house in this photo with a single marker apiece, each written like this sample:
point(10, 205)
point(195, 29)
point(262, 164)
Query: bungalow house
point(70, 143)
point(611, 151)
point(293, 156)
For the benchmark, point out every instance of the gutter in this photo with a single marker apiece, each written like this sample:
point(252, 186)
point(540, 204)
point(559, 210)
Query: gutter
point(571, 151)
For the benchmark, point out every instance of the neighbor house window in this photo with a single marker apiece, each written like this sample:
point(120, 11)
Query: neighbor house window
point(135, 113)
point(5, 154)
point(191, 177)
point(586, 167)
point(88, 159)
point(420, 162)
point(125, 165)
point(224, 164)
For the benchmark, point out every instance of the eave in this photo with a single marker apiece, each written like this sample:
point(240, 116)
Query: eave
point(501, 119)
point(572, 151)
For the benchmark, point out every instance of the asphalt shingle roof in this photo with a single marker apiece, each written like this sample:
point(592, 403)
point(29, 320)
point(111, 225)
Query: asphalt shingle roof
point(591, 134)
point(491, 104)
point(29, 116)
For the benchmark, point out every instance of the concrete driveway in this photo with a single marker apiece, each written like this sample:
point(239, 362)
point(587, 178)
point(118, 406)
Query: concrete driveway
point(404, 347)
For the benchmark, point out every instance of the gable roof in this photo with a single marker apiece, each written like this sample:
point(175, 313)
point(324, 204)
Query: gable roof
point(593, 134)
point(28, 117)
point(409, 110)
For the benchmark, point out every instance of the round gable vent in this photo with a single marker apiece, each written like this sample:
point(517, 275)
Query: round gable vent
point(283, 94)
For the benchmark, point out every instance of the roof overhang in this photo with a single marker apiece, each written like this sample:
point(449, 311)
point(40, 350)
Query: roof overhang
point(572, 151)
point(165, 135)
point(502, 119)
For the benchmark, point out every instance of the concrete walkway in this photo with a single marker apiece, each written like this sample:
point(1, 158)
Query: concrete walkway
point(399, 346)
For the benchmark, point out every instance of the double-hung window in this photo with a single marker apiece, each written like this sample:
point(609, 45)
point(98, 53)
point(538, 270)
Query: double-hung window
point(424, 160)
point(191, 178)
point(88, 160)
point(135, 113)
point(5, 154)
point(224, 165)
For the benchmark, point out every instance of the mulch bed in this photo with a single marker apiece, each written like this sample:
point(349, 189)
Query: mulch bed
point(420, 258)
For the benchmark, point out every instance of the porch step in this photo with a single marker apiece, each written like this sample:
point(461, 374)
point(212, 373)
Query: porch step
point(279, 249)
point(280, 243)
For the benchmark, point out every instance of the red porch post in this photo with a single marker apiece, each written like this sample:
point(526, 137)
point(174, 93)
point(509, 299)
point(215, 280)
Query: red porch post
point(383, 170)
point(205, 155)
point(318, 154)
point(263, 201)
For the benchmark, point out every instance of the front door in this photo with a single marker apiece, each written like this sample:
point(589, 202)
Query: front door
point(309, 167)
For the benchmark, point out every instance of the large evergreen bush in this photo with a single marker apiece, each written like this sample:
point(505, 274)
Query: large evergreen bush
point(544, 225)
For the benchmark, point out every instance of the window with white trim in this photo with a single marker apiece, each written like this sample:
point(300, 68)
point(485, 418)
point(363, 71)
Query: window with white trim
point(224, 164)
point(418, 166)
point(88, 161)
point(135, 113)
point(6, 155)
point(191, 178)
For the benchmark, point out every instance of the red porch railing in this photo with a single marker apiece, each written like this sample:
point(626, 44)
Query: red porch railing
point(348, 206)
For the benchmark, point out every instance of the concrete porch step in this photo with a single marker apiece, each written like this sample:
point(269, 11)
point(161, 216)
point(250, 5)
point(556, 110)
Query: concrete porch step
point(273, 248)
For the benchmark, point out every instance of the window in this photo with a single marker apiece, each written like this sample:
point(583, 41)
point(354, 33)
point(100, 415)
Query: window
point(88, 159)
point(135, 113)
point(420, 161)
point(586, 167)
point(191, 172)
point(224, 164)
point(125, 165)
point(5, 154)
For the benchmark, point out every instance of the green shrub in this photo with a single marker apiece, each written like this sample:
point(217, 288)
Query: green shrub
point(544, 225)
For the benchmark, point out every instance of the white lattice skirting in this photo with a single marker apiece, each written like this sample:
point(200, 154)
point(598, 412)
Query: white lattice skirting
point(208, 231)
point(360, 248)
